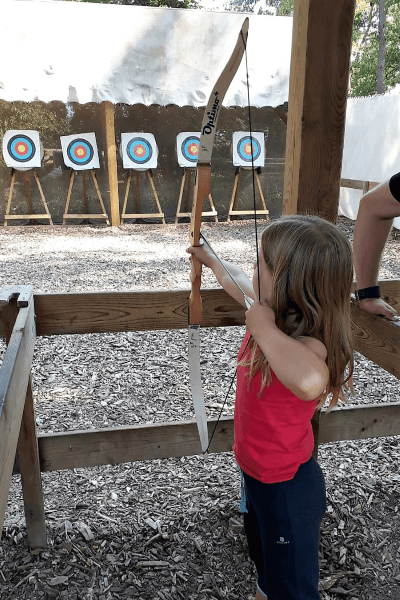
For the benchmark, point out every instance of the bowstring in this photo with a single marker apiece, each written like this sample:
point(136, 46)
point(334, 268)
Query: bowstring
point(256, 241)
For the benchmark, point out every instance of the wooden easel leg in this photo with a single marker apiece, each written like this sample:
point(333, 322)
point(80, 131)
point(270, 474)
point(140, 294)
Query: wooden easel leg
point(188, 190)
point(210, 200)
point(178, 210)
point(137, 193)
point(29, 465)
point(28, 193)
point(96, 185)
point(71, 183)
point(42, 196)
point(150, 176)
point(128, 185)
point(9, 196)
point(233, 197)
point(85, 205)
point(261, 193)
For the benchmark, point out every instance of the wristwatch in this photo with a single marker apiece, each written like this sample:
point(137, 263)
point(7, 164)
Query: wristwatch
point(369, 292)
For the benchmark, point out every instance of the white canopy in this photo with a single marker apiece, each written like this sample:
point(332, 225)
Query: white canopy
point(371, 145)
point(83, 52)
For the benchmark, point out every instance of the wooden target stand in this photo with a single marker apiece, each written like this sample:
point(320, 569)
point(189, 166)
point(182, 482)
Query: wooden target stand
point(85, 215)
point(31, 216)
point(235, 193)
point(138, 214)
point(210, 213)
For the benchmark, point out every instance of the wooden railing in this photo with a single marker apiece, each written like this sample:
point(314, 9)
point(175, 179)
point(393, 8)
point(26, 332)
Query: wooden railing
point(61, 314)
point(357, 184)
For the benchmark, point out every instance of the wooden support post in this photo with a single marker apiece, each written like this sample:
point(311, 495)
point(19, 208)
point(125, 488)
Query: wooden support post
point(112, 162)
point(29, 466)
point(19, 329)
point(319, 77)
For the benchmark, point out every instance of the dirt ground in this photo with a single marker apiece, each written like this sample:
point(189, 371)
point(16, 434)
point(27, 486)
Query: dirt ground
point(171, 529)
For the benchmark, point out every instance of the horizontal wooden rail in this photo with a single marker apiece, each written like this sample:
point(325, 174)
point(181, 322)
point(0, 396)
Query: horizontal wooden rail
point(357, 184)
point(105, 312)
point(74, 449)
point(108, 312)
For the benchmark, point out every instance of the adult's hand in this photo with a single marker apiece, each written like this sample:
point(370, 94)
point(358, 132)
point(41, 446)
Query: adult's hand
point(377, 306)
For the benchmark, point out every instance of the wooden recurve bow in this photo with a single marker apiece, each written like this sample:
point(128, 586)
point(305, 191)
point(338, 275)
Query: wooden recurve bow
point(201, 192)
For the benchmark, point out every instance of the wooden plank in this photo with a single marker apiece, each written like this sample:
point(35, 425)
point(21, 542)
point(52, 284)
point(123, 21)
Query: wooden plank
point(86, 216)
point(319, 76)
point(36, 216)
point(354, 184)
point(69, 450)
point(28, 460)
point(111, 152)
point(101, 312)
point(126, 444)
point(377, 339)
point(140, 311)
point(360, 422)
point(357, 184)
point(14, 377)
point(249, 212)
point(144, 216)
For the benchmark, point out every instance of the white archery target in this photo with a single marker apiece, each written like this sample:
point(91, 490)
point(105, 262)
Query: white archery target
point(22, 149)
point(138, 151)
point(244, 148)
point(80, 151)
point(187, 148)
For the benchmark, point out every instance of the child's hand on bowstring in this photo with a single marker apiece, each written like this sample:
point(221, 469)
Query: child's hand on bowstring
point(259, 317)
point(202, 253)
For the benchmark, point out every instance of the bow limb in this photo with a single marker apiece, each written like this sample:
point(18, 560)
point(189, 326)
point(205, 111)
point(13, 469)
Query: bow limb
point(201, 191)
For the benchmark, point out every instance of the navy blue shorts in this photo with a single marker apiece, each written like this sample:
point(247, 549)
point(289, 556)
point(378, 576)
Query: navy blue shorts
point(282, 525)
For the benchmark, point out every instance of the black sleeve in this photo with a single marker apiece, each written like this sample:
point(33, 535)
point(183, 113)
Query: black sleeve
point(394, 186)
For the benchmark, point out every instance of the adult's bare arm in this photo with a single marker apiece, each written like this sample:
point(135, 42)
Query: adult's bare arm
point(374, 221)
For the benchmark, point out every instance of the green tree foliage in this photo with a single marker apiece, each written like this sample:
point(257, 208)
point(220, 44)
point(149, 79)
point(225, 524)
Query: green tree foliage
point(363, 81)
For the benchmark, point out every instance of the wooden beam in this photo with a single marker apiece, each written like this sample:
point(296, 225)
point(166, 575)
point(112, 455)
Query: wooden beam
point(360, 422)
point(105, 312)
point(28, 458)
point(377, 339)
point(357, 184)
point(14, 376)
point(75, 449)
point(101, 312)
point(91, 448)
point(319, 77)
point(111, 153)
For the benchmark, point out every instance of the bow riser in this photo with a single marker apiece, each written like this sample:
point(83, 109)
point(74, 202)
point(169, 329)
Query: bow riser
point(201, 191)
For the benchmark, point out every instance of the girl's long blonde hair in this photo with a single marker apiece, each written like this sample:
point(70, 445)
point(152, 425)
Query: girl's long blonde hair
point(312, 269)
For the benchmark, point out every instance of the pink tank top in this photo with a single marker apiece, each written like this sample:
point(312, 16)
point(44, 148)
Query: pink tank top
point(272, 432)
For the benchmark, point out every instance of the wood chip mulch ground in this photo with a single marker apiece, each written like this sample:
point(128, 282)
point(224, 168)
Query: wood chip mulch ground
point(171, 529)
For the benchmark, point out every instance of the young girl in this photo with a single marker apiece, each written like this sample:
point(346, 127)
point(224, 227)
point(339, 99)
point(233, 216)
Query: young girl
point(296, 350)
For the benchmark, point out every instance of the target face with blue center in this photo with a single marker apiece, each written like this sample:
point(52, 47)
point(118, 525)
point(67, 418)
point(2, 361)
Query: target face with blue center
point(139, 151)
point(21, 148)
point(80, 152)
point(248, 149)
point(190, 148)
